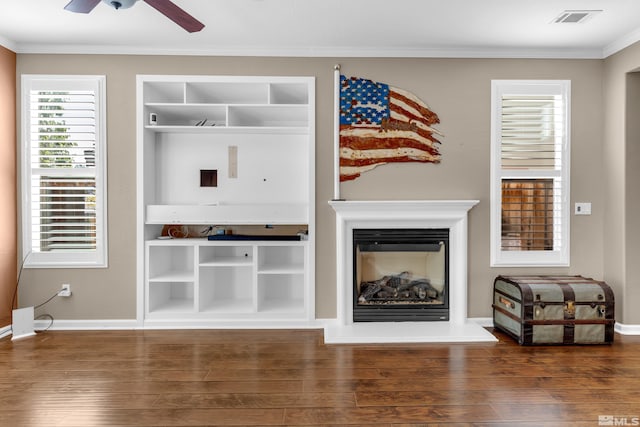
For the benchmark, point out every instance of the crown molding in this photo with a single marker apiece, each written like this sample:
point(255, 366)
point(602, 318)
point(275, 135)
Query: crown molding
point(621, 43)
point(320, 51)
point(9, 44)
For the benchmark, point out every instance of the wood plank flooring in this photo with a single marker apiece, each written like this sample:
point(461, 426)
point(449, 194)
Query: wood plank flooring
point(289, 377)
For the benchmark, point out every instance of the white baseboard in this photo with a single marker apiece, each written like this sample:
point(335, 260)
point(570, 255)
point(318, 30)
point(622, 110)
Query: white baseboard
point(5, 331)
point(118, 324)
point(620, 328)
point(125, 324)
point(86, 325)
point(627, 329)
point(485, 322)
point(238, 324)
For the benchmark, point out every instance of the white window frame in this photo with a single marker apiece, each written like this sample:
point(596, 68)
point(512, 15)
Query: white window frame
point(535, 258)
point(71, 259)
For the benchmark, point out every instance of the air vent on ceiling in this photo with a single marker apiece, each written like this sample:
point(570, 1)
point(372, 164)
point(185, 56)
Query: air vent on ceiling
point(575, 16)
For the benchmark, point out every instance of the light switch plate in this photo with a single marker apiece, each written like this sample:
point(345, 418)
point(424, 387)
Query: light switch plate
point(583, 208)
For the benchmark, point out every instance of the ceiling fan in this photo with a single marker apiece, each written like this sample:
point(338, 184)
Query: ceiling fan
point(166, 7)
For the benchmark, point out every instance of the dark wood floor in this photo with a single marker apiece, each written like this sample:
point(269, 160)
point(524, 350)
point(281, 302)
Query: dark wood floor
point(202, 378)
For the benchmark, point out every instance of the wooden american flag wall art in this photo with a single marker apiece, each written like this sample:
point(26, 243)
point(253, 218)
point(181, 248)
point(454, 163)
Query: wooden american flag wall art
point(382, 124)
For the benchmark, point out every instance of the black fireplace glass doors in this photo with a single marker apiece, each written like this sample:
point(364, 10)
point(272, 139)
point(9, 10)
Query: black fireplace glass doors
point(400, 275)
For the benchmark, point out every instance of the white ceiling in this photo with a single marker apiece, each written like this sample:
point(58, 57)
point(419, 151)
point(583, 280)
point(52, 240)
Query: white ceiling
point(380, 28)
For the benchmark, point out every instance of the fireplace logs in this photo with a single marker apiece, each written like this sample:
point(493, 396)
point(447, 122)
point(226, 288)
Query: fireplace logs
point(401, 288)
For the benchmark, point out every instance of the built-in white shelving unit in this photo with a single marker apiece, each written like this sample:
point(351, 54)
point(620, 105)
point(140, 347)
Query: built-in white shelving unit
point(197, 278)
point(225, 151)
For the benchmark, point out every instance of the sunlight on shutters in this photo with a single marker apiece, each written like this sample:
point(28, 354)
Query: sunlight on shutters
point(63, 184)
point(532, 137)
point(528, 214)
point(532, 132)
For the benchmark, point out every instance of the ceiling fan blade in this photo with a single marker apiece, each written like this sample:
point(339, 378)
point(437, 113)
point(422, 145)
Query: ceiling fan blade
point(81, 6)
point(176, 14)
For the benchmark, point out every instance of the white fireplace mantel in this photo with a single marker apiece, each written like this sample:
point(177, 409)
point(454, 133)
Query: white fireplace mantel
point(451, 214)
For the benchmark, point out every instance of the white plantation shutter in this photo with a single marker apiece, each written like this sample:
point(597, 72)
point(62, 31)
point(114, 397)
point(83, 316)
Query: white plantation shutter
point(63, 148)
point(530, 173)
point(530, 218)
point(532, 128)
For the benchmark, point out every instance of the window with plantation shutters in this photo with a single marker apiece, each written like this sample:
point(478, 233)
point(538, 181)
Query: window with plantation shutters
point(63, 150)
point(530, 173)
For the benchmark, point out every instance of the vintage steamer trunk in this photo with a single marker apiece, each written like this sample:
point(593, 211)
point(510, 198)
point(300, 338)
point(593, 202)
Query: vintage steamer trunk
point(553, 309)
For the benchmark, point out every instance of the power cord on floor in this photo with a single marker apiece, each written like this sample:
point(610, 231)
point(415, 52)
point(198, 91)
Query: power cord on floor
point(50, 317)
point(46, 315)
point(15, 296)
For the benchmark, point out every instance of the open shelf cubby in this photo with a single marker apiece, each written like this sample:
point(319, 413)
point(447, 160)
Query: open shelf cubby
point(171, 297)
point(227, 289)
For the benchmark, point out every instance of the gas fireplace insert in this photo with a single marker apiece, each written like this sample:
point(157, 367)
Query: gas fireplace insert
point(400, 275)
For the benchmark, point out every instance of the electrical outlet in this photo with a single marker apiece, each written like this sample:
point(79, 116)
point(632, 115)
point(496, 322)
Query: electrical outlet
point(65, 291)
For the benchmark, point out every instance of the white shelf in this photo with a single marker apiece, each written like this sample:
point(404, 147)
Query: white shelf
point(171, 297)
point(284, 213)
point(229, 306)
point(281, 293)
point(229, 262)
point(281, 269)
point(188, 114)
point(167, 91)
point(289, 93)
point(279, 259)
point(221, 129)
point(282, 306)
point(174, 306)
point(226, 254)
point(177, 276)
point(273, 116)
point(227, 92)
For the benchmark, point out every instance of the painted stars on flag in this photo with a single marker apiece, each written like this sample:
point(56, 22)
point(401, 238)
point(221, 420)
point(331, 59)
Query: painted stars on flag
point(381, 124)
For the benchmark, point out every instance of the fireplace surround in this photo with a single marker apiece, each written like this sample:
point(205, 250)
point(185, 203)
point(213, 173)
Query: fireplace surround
point(419, 214)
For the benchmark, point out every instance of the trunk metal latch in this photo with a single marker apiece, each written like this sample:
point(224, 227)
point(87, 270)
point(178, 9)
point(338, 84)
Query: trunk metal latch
point(570, 308)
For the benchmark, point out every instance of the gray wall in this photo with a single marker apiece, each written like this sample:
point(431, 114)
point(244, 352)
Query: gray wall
point(622, 175)
point(458, 90)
